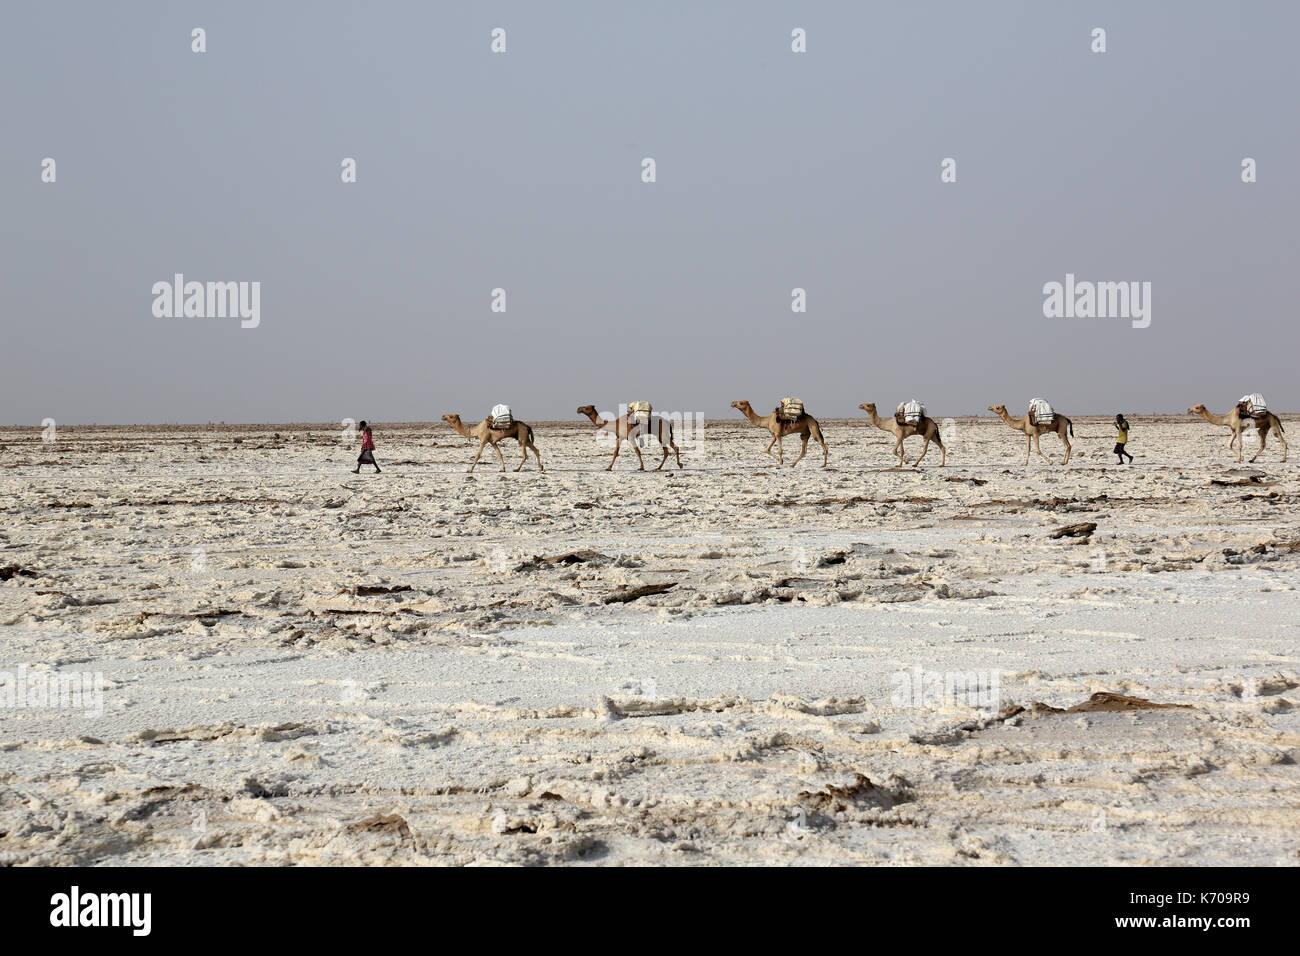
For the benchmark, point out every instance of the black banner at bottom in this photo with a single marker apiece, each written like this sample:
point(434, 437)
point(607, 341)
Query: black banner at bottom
point(301, 905)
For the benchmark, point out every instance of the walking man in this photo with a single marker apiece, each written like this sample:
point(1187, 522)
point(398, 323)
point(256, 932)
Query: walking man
point(1121, 438)
point(367, 456)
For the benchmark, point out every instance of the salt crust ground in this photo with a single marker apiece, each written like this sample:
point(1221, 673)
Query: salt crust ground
point(306, 666)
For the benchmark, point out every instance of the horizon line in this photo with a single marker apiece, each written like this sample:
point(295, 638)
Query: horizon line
point(575, 419)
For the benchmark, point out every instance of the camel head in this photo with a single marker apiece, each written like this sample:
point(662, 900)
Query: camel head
point(742, 405)
point(998, 409)
point(586, 410)
point(868, 407)
point(1196, 410)
point(451, 419)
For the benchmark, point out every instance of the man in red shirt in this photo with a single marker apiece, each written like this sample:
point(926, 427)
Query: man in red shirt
point(367, 450)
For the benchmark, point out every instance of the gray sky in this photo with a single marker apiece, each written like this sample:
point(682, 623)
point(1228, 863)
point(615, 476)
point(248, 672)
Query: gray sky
point(522, 171)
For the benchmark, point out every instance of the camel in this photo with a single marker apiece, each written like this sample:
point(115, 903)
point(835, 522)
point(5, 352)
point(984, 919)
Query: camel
point(804, 426)
point(1235, 421)
point(522, 432)
point(621, 428)
point(926, 428)
point(1060, 425)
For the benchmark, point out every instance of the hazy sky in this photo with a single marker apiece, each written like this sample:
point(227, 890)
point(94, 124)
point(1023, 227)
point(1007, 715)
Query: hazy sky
point(522, 171)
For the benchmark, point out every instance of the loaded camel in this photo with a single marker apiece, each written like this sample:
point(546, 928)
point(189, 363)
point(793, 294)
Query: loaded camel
point(487, 435)
point(804, 426)
point(1236, 421)
point(1060, 425)
point(622, 428)
point(926, 428)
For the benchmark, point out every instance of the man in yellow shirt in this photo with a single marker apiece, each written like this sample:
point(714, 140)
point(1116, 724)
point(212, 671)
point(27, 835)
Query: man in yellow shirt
point(1121, 438)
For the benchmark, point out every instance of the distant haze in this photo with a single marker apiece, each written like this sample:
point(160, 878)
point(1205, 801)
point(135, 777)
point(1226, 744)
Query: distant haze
point(523, 171)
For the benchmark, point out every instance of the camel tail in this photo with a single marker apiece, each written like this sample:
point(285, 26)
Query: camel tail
point(1071, 426)
point(1280, 429)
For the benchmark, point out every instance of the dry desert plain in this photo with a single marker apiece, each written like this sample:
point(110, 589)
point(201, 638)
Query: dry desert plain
point(733, 663)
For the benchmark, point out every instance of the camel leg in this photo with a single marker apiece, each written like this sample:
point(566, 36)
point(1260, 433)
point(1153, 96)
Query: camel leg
point(663, 443)
point(923, 452)
point(900, 452)
point(636, 447)
point(780, 450)
point(1263, 438)
point(677, 453)
point(1029, 446)
point(524, 448)
point(1066, 442)
point(938, 441)
point(803, 451)
point(536, 454)
point(1282, 440)
point(478, 456)
point(821, 440)
point(496, 447)
point(617, 442)
point(1236, 436)
point(1038, 448)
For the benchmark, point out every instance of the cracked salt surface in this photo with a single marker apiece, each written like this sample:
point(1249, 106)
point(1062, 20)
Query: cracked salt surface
point(308, 666)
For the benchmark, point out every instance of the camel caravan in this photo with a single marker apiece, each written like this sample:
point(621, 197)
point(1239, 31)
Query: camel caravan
point(639, 424)
point(634, 426)
point(788, 418)
point(1249, 410)
point(909, 419)
point(494, 429)
point(1039, 420)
